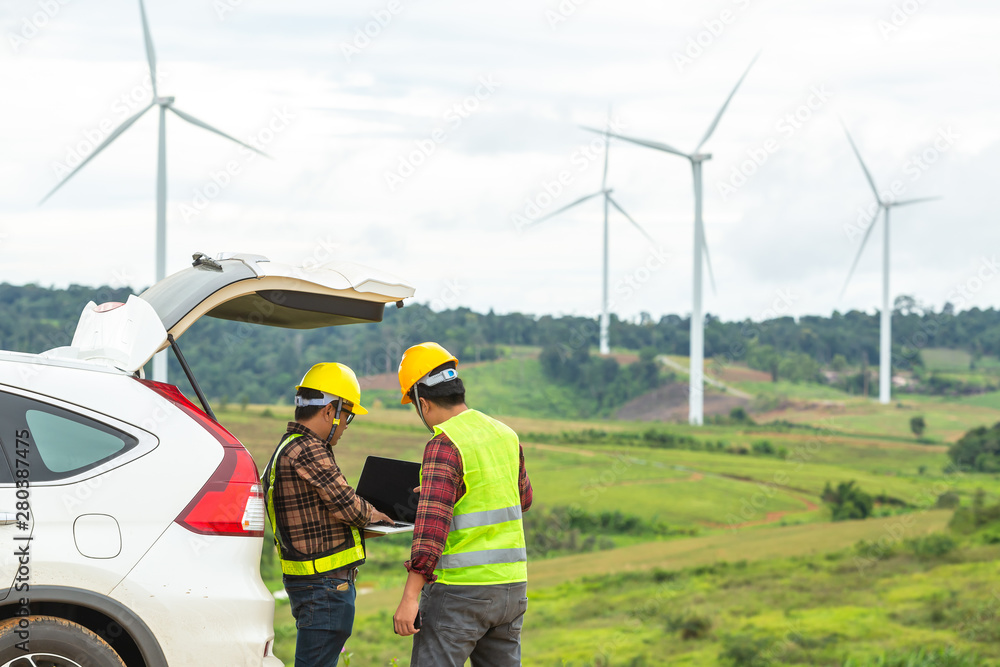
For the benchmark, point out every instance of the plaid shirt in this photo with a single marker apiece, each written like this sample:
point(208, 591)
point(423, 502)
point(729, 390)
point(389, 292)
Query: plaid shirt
point(313, 503)
point(441, 487)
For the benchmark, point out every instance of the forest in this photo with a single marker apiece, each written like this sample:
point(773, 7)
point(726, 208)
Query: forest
point(240, 361)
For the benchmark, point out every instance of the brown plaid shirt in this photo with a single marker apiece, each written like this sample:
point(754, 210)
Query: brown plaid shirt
point(313, 503)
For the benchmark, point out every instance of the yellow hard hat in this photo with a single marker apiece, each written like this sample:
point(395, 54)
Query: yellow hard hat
point(336, 379)
point(417, 362)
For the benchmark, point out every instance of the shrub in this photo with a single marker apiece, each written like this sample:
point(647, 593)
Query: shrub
point(948, 500)
point(947, 657)
point(848, 501)
point(931, 546)
point(872, 550)
point(968, 520)
point(660, 576)
point(690, 625)
point(978, 450)
point(570, 530)
point(744, 651)
point(739, 415)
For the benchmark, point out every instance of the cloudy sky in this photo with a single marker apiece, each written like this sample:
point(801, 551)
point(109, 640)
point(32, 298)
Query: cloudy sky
point(418, 136)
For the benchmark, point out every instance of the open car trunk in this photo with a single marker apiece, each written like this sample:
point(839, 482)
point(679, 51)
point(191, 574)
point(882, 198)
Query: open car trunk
point(252, 289)
point(240, 287)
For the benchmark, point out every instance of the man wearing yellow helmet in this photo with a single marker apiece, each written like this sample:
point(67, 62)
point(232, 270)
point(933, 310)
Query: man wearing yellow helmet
point(466, 592)
point(316, 516)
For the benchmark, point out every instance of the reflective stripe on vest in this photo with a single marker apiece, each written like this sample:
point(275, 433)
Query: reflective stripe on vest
point(488, 557)
point(486, 517)
point(485, 543)
point(334, 561)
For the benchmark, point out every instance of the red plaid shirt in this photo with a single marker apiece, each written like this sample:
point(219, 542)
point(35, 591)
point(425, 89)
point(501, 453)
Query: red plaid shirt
point(441, 487)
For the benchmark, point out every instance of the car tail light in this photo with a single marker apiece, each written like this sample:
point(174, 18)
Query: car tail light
point(231, 502)
point(108, 306)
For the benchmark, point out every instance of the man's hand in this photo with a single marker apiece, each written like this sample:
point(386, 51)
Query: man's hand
point(406, 615)
point(379, 517)
point(416, 489)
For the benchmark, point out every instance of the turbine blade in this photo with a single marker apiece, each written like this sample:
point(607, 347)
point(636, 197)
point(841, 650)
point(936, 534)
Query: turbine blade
point(708, 264)
point(642, 142)
point(150, 53)
point(202, 124)
point(629, 218)
point(919, 200)
point(104, 144)
point(718, 116)
point(857, 257)
point(868, 174)
point(565, 208)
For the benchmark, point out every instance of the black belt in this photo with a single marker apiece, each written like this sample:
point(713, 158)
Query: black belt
point(347, 573)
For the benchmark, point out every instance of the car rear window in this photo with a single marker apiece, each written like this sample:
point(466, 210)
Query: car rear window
point(57, 443)
point(67, 444)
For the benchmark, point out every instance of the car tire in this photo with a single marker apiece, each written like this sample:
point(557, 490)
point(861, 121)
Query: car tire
point(53, 642)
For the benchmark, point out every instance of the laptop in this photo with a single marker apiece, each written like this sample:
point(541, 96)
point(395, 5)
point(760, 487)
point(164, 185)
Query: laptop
point(388, 485)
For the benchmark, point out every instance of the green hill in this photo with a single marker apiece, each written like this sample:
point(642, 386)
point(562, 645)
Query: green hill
point(642, 553)
point(510, 387)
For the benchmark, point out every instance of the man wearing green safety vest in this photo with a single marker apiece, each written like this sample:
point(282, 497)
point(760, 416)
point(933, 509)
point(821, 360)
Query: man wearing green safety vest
point(316, 516)
point(466, 592)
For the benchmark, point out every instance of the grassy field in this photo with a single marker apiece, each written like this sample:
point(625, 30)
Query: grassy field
point(940, 359)
point(947, 419)
point(581, 618)
point(990, 400)
point(510, 386)
point(736, 560)
point(795, 611)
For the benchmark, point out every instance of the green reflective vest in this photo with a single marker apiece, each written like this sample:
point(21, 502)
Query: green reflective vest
point(293, 562)
point(485, 544)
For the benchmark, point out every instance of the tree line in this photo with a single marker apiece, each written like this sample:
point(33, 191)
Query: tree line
point(238, 360)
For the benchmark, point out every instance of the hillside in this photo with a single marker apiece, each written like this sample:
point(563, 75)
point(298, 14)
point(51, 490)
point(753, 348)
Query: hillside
point(646, 543)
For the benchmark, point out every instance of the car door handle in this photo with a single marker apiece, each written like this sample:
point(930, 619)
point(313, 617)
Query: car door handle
point(7, 518)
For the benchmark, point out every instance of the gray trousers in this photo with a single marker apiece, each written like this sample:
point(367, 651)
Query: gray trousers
point(481, 623)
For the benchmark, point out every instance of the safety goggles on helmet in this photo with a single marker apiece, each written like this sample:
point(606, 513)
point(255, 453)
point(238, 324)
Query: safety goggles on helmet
point(343, 408)
point(301, 401)
point(446, 375)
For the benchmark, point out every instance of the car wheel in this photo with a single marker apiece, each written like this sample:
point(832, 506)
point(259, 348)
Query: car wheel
point(52, 642)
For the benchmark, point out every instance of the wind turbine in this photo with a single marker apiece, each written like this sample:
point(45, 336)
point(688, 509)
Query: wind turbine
point(885, 204)
point(696, 385)
point(608, 200)
point(165, 104)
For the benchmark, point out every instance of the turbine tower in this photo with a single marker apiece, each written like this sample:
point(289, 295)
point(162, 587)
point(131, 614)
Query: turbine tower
point(164, 104)
point(885, 204)
point(696, 390)
point(605, 347)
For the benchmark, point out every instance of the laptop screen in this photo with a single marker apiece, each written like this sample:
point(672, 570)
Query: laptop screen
point(388, 485)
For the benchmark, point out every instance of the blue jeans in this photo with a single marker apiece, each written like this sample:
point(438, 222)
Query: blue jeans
point(324, 618)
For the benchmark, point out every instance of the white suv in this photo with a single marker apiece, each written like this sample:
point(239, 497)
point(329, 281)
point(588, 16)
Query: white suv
point(131, 522)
